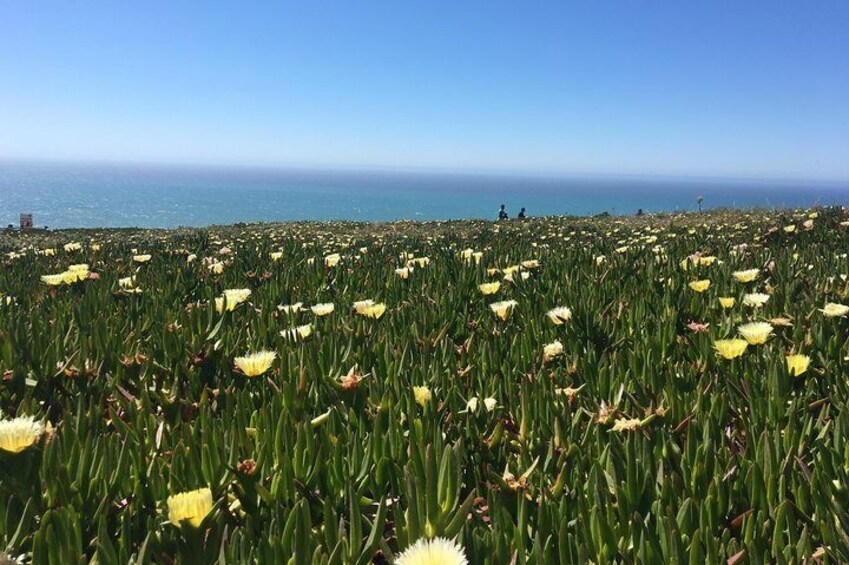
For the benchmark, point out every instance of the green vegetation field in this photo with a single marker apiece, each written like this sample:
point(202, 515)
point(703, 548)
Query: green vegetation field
point(557, 390)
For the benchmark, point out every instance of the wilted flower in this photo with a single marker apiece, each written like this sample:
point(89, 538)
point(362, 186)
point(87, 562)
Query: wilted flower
point(730, 348)
point(503, 309)
point(797, 364)
point(755, 333)
point(627, 424)
point(436, 551)
point(19, 433)
point(190, 507)
point(255, 364)
point(559, 315)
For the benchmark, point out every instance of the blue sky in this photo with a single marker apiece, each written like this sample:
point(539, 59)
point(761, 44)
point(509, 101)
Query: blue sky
point(748, 89)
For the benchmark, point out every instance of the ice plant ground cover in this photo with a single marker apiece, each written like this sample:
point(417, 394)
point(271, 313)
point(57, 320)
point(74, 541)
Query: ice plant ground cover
point(610, 413)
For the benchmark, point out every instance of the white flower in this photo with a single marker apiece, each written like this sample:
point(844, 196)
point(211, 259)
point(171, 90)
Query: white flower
point(436, 551)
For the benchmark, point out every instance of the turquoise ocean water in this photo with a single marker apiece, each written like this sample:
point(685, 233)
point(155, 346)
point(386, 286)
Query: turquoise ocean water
point(61, 195)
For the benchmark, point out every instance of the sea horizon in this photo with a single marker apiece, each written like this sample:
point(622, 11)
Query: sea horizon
point(89, 194)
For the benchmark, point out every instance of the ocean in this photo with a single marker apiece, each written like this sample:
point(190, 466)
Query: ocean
point(65, 195)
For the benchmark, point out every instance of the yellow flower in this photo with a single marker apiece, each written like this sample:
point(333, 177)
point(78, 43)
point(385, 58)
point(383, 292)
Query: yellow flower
point(403, 272)
point(53, 280)
point(746, 276)
point(530, 264)
point(552, 350)
point(730, 348)
point(322, 309)
point(503, 309)
point(360, 306)
point(373, 310)
point(72, 246)
point(190, 507)
point(707, 260)
point(127, 282)
point(255, 364)
point(832, 310)
point(19, 433)
point(727, 301)
point(422, 394)
point(559, 315)
point(276, 255)
point(627, 425)
point(332, 260)
point(790, 229)
point(756, 333)
point(489, 288)
point(700, 286)
point(755, 299)
point(232, 298)
point(141, 258)
point(436, 551)
point(797, 364)
point(217, 267)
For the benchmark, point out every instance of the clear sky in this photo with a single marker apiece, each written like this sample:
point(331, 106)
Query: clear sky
point(727, 88)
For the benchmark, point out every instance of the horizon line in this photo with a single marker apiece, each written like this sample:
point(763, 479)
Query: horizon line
point(423, 169)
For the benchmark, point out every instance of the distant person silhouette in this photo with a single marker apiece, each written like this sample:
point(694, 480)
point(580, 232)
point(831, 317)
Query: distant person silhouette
point(521, 215)
point(502, 214)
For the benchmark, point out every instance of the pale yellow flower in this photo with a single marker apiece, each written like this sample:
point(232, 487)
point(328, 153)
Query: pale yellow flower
point(190, 507)
point(290, 308)
point(53, 280)
point(504, 308)
point(790, 229)
point(141, 258)
point(232, 297)
point(373, 310)
point(730, 348)
point(756, 333)
point(559, 315)
point(332, 260)
point(74, 246)
point(832, 310)
point(489, 288)
point(404, 272)
point(755, 299)
point(276, 255)
point(530, 264)
point(127, 282)
point(436, 551)
point(255, 364)
point(19, 433)
point(797, 364)
point(298, 332)
point(700, 286)
point(707, 260)
point(746, 276)
point(552, 350)
point(361, 305)
point(423, 395)
point(727, 301)
point(322, 309)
